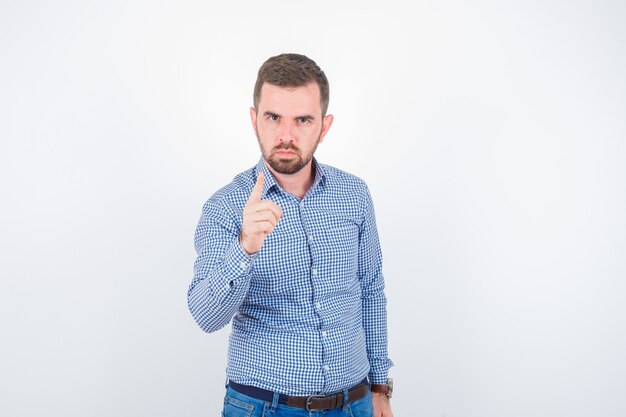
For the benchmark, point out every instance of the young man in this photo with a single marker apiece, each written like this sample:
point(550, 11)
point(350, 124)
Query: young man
point(289, 252)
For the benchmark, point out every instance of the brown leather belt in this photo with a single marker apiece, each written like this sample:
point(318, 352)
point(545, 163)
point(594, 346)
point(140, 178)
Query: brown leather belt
point(310, 403)
point(327, 402)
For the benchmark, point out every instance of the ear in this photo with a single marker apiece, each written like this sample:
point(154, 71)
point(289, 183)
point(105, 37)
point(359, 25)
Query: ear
point(253, 119)
point(326, 124)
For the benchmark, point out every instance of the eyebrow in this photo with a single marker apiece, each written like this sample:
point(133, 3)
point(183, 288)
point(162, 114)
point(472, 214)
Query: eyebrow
point(270, 113)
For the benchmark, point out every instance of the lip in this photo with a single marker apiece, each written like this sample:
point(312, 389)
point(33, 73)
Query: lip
point(285, 152)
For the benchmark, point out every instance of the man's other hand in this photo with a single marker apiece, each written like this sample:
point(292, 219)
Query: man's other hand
point(381, 405)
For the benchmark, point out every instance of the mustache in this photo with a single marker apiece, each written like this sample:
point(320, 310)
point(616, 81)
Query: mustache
point(286, 146)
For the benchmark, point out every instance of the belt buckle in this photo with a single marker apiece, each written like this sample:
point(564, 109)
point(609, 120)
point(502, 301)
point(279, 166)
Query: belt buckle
point(308, 403)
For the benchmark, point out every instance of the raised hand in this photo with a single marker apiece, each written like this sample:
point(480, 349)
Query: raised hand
point(260, 217)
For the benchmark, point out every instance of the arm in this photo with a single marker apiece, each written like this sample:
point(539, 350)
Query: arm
point(227, 244)
point(222, 269)
point(374, 305)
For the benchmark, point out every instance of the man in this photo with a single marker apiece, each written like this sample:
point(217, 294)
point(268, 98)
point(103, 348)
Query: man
point(289, 251)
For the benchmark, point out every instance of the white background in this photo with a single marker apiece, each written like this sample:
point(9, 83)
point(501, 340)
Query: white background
point(492, 135)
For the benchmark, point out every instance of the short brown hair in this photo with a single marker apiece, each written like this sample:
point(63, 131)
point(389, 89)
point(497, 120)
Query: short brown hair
point(292, 70)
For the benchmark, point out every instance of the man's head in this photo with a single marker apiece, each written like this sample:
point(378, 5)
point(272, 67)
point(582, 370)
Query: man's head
point(292, 70)
point(289, 114)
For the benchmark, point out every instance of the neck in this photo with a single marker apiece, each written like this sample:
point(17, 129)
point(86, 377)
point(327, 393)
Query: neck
point(298, 183)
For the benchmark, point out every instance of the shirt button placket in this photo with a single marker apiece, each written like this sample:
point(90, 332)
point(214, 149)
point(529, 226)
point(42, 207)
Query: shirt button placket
point(314, 278)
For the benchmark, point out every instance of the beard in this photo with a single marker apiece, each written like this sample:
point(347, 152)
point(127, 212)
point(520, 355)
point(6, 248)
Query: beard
point(289, 165)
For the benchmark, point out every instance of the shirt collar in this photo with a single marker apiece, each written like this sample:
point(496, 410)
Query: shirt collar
point(270, 181)
point(320, 174)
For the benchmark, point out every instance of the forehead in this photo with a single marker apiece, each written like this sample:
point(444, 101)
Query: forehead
point(290, 100)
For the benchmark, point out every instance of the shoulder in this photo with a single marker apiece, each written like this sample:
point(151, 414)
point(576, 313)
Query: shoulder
point(233, 195)
point(345, 183)
point(346, 192)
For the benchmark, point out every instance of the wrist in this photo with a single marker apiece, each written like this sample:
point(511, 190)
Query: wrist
point(384, 389)
point(246, 246)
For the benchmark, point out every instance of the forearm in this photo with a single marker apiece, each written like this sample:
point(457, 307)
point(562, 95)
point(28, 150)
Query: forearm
point(220, 285)
point(374, 302)
point(211, 308)
point(375, 328)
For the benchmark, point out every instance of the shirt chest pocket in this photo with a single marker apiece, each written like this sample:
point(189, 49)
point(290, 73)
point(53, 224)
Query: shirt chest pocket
point(337, 249)
point(339, 235)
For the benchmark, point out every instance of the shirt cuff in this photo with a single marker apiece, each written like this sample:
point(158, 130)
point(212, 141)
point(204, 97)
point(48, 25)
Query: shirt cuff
point(379, 371)
point(242, 261)
point(237, 267)
point(378, 378)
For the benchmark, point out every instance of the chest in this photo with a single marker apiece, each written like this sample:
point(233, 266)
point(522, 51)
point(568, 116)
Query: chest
point(314, 245)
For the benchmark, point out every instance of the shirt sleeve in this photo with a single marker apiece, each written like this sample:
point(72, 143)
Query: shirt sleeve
point(222, 269)
point(374, 302)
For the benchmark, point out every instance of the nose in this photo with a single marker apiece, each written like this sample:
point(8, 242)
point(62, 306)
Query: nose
point(285, 134)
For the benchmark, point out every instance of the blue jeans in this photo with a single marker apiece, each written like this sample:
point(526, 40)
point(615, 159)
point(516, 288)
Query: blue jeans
point(239, 405)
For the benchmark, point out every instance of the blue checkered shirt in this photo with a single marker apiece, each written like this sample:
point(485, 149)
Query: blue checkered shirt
point(308, 310)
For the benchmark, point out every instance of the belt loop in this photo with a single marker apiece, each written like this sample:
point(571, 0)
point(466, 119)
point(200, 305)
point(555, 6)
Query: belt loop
point(226, 383)
point(345, 399)
point(274, 402)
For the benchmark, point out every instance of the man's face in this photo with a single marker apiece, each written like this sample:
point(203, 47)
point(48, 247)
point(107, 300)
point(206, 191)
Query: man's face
point(289, 125)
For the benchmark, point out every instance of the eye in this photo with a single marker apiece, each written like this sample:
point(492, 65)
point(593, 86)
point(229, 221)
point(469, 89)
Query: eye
point(274, 117)
point(303, 119)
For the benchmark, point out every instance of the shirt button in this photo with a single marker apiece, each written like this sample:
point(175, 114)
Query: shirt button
point(310, 238)
point(314, 272)
point(324, 333)
point(243, 265)
point(326, 368)
point(318, 305)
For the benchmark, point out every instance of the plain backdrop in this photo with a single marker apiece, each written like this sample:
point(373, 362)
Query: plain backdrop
point(492, 135)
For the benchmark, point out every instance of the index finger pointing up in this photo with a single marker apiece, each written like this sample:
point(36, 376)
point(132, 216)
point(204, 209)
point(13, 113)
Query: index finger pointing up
point(255, 195)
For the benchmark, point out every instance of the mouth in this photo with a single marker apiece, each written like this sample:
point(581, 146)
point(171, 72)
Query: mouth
point(285, 153)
